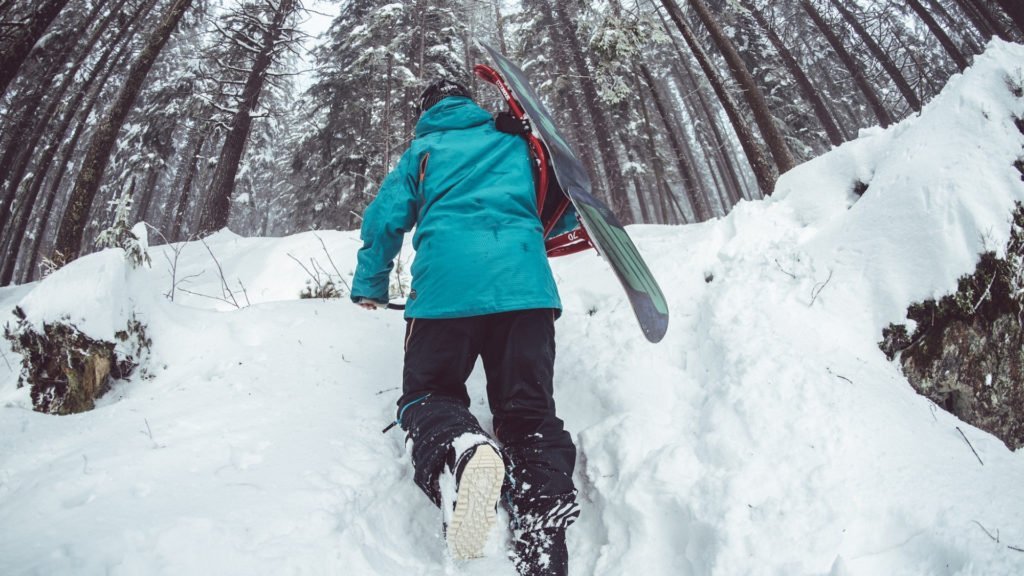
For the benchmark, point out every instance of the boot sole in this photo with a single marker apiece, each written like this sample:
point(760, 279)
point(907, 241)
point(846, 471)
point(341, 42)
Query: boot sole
point(475, 505)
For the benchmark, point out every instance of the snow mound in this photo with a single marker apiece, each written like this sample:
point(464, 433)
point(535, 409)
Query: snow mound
point(766, 434)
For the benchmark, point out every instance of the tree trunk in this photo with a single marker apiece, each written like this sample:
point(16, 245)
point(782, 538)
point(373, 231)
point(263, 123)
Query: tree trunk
point(602, 127)
point(64, 159)
point(69, 236)
point(660, 211)
point(24, 211)
point(959, 26)
point(638, 187)
point(687, 82)
point(810, 93)
point(764, 169)
point(218, 205)
point(14, 53)
point(983, 18)
point(148, 191)
point(939, 33)
point(1015, 10)
point(186, 187)
point(500, 25)
point(751, 92)
point(687, 175)
point(23, 123)
point(856, 70)
point(721, 147)
point(581, 133)
point(57, 101)
point(890, 67)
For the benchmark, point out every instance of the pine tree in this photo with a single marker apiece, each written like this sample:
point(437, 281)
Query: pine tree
point(69, 236)
point(16, 44)
point(258, 34)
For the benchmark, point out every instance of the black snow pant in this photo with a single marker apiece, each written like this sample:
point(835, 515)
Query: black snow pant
point(518, 352)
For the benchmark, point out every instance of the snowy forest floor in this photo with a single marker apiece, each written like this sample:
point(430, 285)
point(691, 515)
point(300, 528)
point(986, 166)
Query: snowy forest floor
point(767, 434)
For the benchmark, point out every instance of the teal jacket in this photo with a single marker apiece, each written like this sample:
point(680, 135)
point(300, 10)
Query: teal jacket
point(468, 191)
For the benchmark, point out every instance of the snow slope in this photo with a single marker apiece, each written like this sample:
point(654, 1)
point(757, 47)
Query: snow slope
point(766, 434)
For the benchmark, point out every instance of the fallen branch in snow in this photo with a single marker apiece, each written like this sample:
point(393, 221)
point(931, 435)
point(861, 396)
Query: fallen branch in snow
point(994, 538)
point(217, 298)
point(149, 432)
point(969, 444)
point(839, 375)
point(1015, 548)
point(784, 271)
point(819, 287)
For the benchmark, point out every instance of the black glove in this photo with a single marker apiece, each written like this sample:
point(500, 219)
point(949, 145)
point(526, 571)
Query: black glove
point(509, 124)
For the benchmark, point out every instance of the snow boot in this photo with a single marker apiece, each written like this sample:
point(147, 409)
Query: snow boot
point(541, 553)
point(470, 504)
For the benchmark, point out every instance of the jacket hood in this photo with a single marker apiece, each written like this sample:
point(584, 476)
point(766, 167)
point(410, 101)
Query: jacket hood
point(452, 113)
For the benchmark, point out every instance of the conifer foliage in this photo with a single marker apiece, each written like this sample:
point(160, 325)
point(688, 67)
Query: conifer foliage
point(277, 116)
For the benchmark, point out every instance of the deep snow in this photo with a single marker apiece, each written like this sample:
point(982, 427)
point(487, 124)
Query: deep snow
point(766, 434)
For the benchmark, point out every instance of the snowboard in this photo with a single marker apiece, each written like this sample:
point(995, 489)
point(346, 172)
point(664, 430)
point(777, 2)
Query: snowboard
point(599, 223)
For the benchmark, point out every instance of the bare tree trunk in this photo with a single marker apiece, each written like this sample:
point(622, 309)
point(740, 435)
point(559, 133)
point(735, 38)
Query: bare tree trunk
point(890, 67)
point(696, 196)
point(660, 211)
point(500, 24)
point(984, 20)
point(955, 24)
point(638, 187)
point(16, 236)
point(64, 159)
point(687, 81)
point(1015, 10)
point(22, 124)
point(218, 204)
point(57, 101)
point(810, 93)
point(148, 191)
point(939, 33)
point(751, 91)
point(602, 128)
point(764, 169)
point(186, 186)
point(581, 132)
point(69, 236)
point(14, 52)
point(684, 72)
point(856, 70)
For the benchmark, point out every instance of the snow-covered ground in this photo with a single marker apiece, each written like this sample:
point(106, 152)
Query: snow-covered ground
point(766, 434)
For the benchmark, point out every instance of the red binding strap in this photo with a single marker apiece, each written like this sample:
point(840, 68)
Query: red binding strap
point(488, 74)
point(571, 242)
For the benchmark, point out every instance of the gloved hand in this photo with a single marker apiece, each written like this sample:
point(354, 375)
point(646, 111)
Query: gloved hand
point(371, 304)
point(509, 124)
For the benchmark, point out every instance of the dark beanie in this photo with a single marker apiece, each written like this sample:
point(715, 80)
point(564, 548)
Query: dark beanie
point(440, 90)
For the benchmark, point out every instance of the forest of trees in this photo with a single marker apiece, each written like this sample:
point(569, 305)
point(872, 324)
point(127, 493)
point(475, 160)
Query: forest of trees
point(210, 113)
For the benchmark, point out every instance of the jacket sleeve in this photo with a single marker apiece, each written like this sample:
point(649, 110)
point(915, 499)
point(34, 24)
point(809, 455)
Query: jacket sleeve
point(385, 222)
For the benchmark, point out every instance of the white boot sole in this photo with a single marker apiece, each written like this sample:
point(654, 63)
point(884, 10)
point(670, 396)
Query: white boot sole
point(474, 515)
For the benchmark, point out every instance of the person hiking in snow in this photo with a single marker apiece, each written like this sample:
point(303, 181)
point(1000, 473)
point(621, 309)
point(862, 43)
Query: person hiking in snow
point(482, 287)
